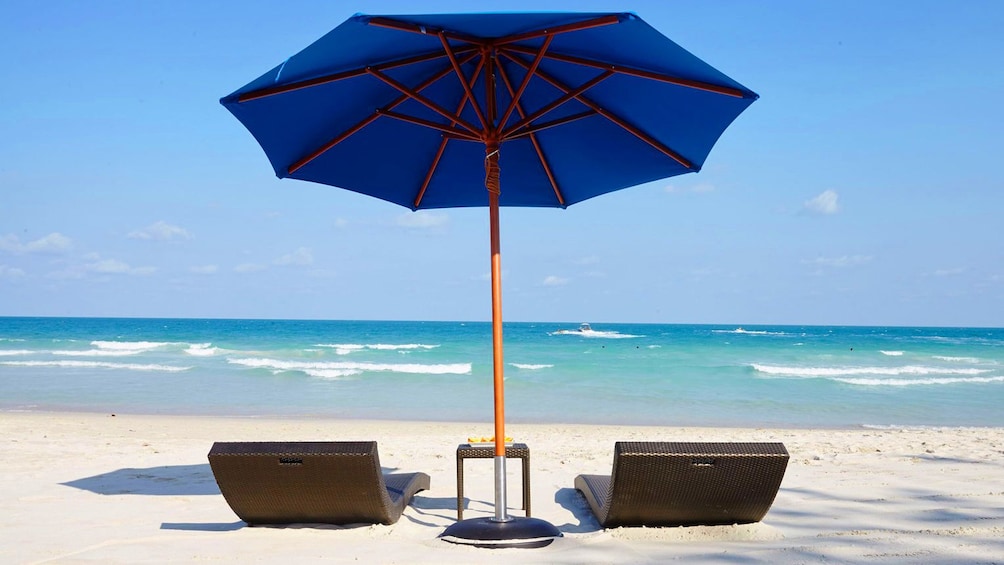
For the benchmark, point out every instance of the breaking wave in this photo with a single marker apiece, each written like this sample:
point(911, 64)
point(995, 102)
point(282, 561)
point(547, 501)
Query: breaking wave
point(781, 370)
point(347, 348)
point(131, 346)
point(97, 365)
point(747, 332)
point(910, 375)
point(957, 359)
point(202, 350)
point(912, 382)
point(331, 369)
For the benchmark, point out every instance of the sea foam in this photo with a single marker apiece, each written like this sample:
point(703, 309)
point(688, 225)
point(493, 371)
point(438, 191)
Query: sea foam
point(530, 367)
point(957, 359)
point(202, 350)
point(96, 352)
point(347, 348)
point(305, 366)
point(913, 382)
point(832, 372)
point(97, 365)
point(134, 346)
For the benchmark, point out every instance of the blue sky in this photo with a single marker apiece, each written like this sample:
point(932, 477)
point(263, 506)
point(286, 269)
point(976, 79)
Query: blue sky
point(865, 186)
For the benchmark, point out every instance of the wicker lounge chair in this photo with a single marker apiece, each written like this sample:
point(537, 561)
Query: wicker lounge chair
point(311, 482)
point(677, 484)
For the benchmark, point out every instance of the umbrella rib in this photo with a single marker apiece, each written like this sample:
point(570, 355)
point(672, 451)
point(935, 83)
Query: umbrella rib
point(627, 126)
point(463, 81)
point(369, 119)
point(430, 172)
point(699, 85)
point(552, 31)
point(338, 139)
point(525, 122)
point(427, 123)
point(526, 79)
point(536, 143)
point(391, 23)
point(553, 123)
point(299, 85)
point(442, 143)
point(414, 95)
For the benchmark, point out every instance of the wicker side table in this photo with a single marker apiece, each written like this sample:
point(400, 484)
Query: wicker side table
point(512, 451)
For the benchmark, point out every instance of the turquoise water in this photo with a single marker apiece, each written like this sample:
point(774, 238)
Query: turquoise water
point(617, 374)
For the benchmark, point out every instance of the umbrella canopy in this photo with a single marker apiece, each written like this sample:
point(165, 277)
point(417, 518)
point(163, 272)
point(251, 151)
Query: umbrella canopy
point(398, 107)
point(431, 111)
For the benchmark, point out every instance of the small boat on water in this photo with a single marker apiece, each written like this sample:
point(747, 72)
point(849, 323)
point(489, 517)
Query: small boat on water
point(584, 328)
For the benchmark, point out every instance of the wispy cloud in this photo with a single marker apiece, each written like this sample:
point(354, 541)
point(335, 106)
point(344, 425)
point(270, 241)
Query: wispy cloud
point(55, 242)
point(825, 203)
point(161, 231)
point(554, 280)
point(249, 268)
point(840, 262)
point(949, 272)
point(699, 188)
point(204, 269)
point(585, 261)
point(10, 272)
point(301, 257)
point(423, 219)
point(116, 267)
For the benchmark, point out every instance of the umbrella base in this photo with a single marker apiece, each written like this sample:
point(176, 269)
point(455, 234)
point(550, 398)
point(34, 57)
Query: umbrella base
point(495, 534)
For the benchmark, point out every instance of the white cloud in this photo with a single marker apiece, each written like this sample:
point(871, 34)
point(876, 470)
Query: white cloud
point(55, 242)
point(825, 202)
point(161, 231)
point(585, 261)
point(249, 268)
point(10, 243)
point(699, 188)
point(840, 262)
point(204, 269)
point(487, 276)
point(301, 256)
point(553, 280)
point(423, 219)
point(114, 266)
point(10, 272)
point(949, 272)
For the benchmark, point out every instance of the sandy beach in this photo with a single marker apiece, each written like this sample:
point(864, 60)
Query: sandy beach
point(83, 488)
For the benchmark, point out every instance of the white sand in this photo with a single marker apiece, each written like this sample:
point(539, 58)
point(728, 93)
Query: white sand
point(93, 488)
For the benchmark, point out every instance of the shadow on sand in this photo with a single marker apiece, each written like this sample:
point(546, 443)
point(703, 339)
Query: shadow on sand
point(169, 480)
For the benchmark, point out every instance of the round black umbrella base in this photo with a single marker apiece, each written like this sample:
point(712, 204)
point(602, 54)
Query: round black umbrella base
point(495, 534)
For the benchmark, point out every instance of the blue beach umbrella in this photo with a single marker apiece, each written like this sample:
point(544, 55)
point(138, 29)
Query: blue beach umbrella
point(434, 111)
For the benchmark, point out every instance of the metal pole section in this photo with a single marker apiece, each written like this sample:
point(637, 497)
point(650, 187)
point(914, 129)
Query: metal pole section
point(500, 490)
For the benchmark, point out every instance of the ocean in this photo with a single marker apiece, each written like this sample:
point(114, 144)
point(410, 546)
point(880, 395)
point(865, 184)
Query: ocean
point(647, 374)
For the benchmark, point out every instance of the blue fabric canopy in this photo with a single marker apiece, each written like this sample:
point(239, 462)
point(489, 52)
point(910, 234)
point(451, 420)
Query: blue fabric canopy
point(379, 106)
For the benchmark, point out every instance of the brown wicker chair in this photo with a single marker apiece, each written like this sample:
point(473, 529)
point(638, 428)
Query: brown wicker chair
point(311, 482)
point(678, 484)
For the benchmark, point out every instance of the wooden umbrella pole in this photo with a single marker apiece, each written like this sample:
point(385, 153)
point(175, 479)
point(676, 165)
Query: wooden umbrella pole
point(492, 184)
